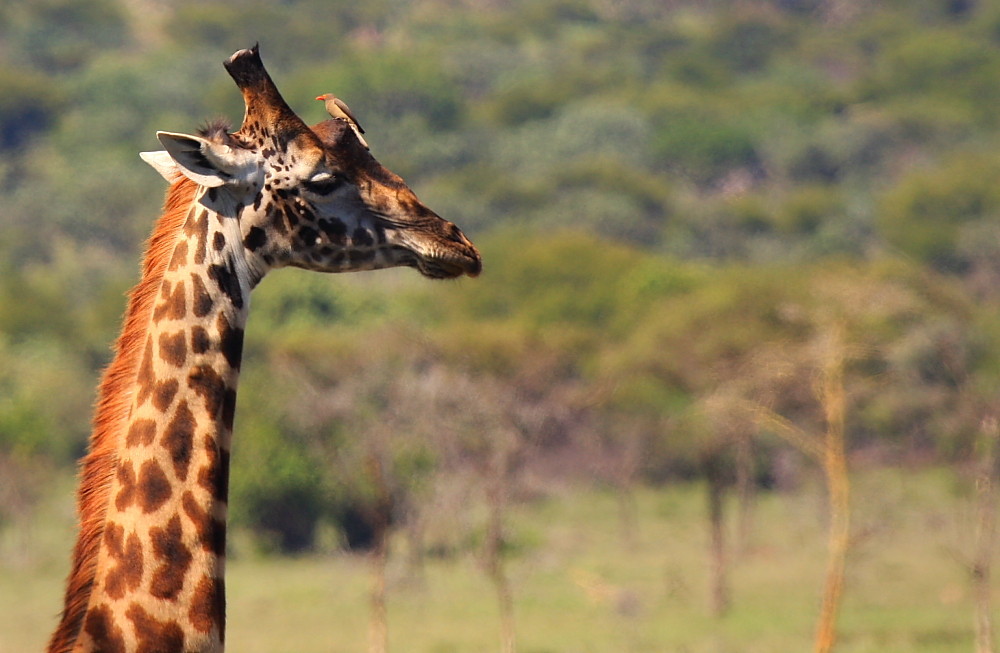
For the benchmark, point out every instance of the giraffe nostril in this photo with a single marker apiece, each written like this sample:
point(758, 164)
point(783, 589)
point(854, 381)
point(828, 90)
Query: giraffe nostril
point(455, 234)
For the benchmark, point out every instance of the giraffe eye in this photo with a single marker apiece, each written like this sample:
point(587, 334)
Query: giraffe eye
point(323, 184)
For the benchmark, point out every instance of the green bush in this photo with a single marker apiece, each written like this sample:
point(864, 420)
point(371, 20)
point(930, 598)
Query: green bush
point(924, 213)
point(945, 63)
point(277, 488)
point(28, 106)
point(703, 146)
point(807, 208)
point(45, 395)
point(64, 35)
point(747, 44)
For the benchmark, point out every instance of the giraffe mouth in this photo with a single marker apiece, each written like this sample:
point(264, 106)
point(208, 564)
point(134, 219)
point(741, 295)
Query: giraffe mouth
point(450, 268)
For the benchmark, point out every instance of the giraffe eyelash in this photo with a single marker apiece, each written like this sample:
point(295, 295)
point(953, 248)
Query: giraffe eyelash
point(323, 183)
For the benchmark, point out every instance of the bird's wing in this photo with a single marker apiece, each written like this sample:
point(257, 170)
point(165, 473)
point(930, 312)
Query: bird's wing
point(343, 107)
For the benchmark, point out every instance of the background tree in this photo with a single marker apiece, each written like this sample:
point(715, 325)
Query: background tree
point(667, 195)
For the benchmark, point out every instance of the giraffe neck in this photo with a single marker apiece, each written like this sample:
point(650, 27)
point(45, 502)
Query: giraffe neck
point(158, 579)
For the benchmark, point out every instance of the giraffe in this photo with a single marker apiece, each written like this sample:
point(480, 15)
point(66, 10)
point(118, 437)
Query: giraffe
point(147, 570)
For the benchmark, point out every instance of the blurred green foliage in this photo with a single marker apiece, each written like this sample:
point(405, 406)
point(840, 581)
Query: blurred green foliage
point(58, 36)
point(27, 106)
point(673, 199)
point(926, 213)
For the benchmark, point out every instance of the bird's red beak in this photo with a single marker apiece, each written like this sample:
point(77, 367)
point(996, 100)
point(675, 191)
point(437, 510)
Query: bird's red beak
point(320, 97)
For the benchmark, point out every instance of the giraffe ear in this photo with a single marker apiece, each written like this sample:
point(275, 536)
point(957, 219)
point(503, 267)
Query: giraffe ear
point(205, 162)
point(163, 164)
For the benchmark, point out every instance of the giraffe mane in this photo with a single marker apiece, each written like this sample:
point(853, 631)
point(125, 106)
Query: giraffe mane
point(216, 130)
point(112, 411)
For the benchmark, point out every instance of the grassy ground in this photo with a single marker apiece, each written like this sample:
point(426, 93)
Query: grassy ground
point(579, 588)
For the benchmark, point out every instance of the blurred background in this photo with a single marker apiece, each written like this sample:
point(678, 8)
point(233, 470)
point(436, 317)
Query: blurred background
point(729, 380)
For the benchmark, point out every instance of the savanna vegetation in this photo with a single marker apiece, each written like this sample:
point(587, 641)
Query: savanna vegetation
point(748, 249)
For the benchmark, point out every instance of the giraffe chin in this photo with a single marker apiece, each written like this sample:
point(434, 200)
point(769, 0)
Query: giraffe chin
point(440, 265)
point(451, 268)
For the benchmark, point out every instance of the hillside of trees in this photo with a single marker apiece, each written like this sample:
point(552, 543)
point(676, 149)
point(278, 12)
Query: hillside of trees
point(684, 209)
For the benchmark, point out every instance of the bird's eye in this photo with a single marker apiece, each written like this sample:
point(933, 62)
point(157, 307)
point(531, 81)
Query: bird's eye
point(323, 183)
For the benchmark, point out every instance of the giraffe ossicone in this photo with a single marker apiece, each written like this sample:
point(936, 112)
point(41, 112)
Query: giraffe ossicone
point(147, 568)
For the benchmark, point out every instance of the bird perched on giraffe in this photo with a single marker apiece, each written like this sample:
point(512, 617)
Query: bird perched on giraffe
point(340, 111)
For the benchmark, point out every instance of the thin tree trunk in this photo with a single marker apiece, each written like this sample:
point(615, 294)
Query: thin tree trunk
point(985, 536)
point(745, 491)
point(415, 549)
point(493, 552)
point(830, 452)
point(838, 488)
point(628, 521)
point(717, 536)
point(378, 626)
point(622, 455)
point(508, 632)
point(838, 492)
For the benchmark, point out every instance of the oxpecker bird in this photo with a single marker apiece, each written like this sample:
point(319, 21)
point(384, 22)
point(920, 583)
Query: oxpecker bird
point(339, 110)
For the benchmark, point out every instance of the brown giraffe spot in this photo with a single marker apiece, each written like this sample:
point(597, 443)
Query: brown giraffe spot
point(141, 432)
point(230, 341)
point(196, 227)
point(126, 480)
point(145, 378)
point(358, 256)
point(208, 606)
point(229, 408)
point(164, 393)
point(207, 383)
point(153, 635)
point(199, 340)
point(218, 241)
point(178, 305)
point(256, 237)
point(310, 217)
point(114, 534)
point(153, 487)
point(362, 238)
point(278, 222)
point(127, 556)
point(174, 306)
point(214, 475)
point(227, 282)
point(307, 237)
point(179, 257)
point(173, 348)
point(105, 635)
point(178, 439)
point(334, 229)
point(175, 560)
point(202, 301)
point(211, 532)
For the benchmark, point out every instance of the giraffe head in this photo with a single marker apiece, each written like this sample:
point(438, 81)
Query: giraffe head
point(312, 198)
